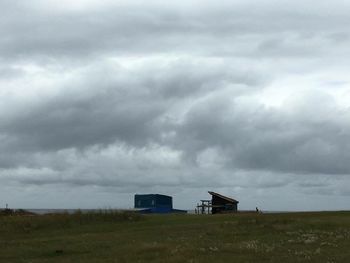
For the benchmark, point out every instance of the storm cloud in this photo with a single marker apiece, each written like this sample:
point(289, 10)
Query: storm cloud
point(99, 101)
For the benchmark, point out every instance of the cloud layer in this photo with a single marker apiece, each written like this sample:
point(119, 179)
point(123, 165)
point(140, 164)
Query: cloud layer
point(101, 101)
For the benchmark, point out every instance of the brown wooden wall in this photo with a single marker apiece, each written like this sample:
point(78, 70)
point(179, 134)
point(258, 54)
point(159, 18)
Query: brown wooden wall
point(225, 205)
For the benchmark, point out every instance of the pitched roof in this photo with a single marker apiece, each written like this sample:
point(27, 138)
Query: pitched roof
point(223, 197)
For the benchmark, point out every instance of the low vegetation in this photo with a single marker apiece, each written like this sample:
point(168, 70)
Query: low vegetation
point(110, 236)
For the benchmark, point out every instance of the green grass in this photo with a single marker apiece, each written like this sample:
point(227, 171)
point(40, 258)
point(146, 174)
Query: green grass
point(110, 236)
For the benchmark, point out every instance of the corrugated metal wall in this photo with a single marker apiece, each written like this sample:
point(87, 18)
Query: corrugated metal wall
point(153, 200)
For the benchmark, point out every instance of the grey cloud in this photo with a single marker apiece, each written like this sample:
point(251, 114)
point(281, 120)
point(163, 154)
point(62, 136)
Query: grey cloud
point(237, 96)
point(10, 72)
point(65, 122)
point(115, 104)
point(269, 139)
point(123, 30)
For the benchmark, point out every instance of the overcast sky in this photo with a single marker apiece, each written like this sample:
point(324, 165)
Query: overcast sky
point(100, 100)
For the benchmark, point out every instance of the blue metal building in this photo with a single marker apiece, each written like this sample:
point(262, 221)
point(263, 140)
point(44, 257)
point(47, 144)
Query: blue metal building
point(155, 203)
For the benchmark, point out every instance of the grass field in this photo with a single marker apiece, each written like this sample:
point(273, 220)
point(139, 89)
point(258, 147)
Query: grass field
point(109, 236)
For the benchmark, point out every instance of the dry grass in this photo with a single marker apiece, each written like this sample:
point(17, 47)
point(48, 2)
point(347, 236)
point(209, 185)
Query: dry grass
point(125, 237)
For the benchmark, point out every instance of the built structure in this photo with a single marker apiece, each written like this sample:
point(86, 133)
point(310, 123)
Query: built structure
point(218, 204)
point(155, 203)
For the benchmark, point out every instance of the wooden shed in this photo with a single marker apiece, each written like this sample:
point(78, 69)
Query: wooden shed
point(222, 204)
point(218, 204)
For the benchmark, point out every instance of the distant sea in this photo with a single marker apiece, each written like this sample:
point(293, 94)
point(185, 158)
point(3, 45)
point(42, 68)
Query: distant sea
point(69, 211)
point(72, 211)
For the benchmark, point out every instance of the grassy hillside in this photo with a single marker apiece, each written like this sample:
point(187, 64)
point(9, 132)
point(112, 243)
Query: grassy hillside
point(124, 237)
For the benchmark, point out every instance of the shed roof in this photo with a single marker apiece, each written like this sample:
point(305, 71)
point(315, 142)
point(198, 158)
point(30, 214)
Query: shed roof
point(223, 197)
point(152, 195)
